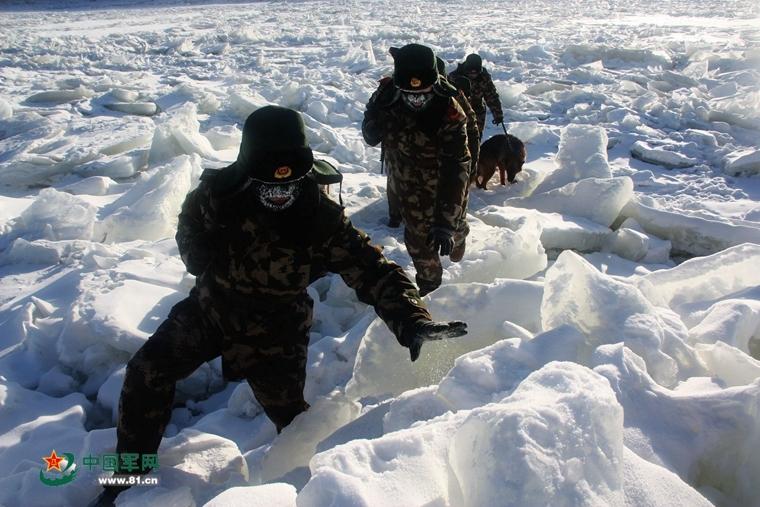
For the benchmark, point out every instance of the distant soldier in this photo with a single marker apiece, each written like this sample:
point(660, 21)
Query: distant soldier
point(256, 234)
point(424, 135)
point(482, 93)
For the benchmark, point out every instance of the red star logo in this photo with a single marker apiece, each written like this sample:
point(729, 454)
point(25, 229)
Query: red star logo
point(53, 462)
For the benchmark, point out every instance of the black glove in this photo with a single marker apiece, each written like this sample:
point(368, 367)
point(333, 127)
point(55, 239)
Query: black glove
point(385, 95)
point(372, 111)
point(497, 120)
point(442, 240)
point(431, 331)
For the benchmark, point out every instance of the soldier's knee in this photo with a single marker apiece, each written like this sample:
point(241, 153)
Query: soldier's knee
point(145, 370)
point(427, 286)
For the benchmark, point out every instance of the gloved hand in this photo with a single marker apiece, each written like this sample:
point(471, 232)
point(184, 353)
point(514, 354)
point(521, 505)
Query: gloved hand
point(383, 97)
point(498, 119)
point(386, 94)
point(442, 240)
point(372, 111)
point(431, 331)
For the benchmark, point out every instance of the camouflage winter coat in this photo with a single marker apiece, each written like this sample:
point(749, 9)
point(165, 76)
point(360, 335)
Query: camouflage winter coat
point(427, 154)
point(249, 260)
point(483, 92)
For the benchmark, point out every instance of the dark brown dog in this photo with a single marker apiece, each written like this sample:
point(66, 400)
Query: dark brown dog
point(504, 151)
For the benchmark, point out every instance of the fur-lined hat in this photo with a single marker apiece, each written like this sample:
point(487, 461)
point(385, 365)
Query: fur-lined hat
point(274, 147)
point(472, 62)
point(414, 67)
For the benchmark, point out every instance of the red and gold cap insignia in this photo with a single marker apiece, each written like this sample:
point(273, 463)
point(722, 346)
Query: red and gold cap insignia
point(415, 82)
point(283, 172)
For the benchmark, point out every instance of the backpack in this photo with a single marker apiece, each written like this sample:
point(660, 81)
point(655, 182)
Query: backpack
point(325, 173)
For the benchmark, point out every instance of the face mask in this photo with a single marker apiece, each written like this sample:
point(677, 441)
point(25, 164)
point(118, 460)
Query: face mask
point(416, 101)
point(277, 196)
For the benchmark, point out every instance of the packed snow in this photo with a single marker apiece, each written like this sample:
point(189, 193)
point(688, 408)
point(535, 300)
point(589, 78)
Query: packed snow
point(612, 292)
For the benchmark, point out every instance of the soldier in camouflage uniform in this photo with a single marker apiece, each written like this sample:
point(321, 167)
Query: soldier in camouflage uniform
point(424, 136)
point(256, 234)
point(462, 84)
point(482, 90)
point(473, 143)
point(394, 203)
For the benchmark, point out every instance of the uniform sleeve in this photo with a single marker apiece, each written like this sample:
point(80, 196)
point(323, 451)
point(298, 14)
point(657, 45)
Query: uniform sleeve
point(376, 280)
point(492, 98)
point(372, 126)
point(454, 165)
point(194, 240)
point(472, 121)
point(372, 130)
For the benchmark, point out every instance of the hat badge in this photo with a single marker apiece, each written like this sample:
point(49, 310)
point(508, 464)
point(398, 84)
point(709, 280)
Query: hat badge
point(415, 82)
point(282, 172)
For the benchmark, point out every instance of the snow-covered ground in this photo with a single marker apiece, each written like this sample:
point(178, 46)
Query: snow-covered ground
point(612, 293)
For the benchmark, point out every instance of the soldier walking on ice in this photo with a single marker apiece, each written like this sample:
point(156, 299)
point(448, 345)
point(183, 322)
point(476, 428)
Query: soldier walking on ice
point(256, 234)
point(482, 90)
point(424, 134)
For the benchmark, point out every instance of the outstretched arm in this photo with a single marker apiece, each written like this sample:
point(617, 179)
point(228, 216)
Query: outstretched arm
point(384, 285)
point(376, 280)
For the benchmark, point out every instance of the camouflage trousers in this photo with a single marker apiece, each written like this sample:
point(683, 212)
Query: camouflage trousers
point(270, 351)
point(481, 122)
point(463, 230)
point(394, 203)
point(426, 260)
point(473, 143)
